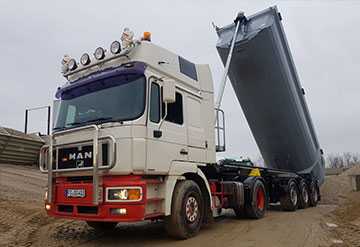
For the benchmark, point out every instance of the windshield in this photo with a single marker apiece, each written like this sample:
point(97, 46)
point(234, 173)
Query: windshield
point(124, 101)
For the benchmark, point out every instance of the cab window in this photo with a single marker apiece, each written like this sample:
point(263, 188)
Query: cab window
point(155, 103)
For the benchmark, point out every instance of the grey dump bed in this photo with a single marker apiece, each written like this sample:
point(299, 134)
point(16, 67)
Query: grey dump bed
point(264, 77)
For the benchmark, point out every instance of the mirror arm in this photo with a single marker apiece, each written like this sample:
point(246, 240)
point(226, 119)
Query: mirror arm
point(162, 120)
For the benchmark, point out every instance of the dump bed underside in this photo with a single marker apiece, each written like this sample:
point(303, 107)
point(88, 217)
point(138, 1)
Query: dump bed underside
point(267, 86)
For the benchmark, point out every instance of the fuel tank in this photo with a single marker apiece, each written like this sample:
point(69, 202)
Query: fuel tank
point(264, 77)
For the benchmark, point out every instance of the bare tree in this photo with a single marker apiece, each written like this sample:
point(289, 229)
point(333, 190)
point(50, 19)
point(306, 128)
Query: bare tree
point(344, 160)
point(335, 161)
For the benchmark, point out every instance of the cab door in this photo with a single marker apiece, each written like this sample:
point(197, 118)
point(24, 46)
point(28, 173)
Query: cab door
point(166, 133)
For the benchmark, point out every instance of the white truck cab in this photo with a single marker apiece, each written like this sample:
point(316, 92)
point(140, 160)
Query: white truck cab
point(127, 127)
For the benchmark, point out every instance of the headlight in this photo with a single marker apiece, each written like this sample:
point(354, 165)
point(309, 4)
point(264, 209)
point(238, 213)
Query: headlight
point(85, 59)
point(124, 194)
point(99, 53)
point(72, 64)
point(115, 47)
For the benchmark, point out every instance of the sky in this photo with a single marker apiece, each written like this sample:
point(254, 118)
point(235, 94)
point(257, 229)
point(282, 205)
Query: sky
point(324, 39)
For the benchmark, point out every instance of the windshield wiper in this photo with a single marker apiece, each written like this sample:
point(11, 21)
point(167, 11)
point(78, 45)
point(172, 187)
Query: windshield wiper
point(95, 120)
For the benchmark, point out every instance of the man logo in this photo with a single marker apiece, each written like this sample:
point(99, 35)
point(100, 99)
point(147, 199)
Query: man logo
point(80, 156)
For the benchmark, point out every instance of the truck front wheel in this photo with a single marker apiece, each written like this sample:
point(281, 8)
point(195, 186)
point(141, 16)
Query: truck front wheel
point(187, 210)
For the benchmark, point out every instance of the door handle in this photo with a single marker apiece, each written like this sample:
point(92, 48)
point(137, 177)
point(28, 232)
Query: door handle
point(157, 133)
point(183, 152)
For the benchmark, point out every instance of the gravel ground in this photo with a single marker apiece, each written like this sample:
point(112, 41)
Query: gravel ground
point(23, 222)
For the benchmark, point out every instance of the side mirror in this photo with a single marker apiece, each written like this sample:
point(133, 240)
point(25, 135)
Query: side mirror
point(169, 91)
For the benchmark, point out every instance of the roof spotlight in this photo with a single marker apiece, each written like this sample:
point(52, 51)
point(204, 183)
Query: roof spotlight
point(72, 65)
point(99, 53)
point(85, 59)
point(115, 47)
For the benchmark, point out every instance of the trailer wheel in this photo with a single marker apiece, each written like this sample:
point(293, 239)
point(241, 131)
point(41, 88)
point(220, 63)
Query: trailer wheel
point(187, 211)
point(314, 194)
point(102, 226)
point(290, 198)
point(303, 195)
point(255, 208)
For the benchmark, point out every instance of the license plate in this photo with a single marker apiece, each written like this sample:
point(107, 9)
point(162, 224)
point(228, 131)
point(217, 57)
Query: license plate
point(71, 193)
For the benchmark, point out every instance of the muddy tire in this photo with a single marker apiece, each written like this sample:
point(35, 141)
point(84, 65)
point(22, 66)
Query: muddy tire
point(102, 226)
point(314, 195)
point(187, 211)
point(303, 195)
point(255, 207)
point(290, 198)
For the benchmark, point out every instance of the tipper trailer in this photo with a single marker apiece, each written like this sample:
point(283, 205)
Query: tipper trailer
point(135, 133)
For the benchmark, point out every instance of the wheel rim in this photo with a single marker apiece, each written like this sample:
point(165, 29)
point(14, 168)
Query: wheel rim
point(293, 196)
point(305, 194)
point(260, 202)
point(192, 209)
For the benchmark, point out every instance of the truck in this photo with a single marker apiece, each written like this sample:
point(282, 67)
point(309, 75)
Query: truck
point(136, 132)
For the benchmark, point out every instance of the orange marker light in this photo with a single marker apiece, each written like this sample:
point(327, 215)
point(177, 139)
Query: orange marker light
point(134, 194)
point(147, 36)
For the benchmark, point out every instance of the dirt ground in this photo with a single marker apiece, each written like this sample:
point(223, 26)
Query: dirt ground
point(23, 222)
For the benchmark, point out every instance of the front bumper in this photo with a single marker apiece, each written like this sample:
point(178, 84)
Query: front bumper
point(84, 209)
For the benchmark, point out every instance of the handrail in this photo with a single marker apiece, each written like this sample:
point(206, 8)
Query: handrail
point(94, 168)
point(110, 166)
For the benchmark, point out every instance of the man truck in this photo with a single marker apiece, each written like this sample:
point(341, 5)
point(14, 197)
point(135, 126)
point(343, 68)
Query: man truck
point(136, 132)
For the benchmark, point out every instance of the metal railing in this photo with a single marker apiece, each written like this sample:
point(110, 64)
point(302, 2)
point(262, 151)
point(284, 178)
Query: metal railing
point(46, 159)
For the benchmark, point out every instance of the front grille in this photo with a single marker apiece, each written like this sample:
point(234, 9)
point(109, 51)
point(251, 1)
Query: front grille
point(87, 209)
point(65, 208)
point(80, 157)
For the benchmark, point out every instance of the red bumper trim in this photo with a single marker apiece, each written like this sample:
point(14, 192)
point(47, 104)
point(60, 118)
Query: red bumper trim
point(135, 211)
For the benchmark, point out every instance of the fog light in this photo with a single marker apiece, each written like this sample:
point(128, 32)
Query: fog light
point(99, 53)
point(72, 65)
point(118, 211)
point(85, 59)
point(47, 207)
point(115, 47)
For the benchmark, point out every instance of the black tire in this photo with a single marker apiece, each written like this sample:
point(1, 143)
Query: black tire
point(102, 226)
point(303, 195)
point(187, 211)
point(314, 194)
point(290, 198)
point(256, 206)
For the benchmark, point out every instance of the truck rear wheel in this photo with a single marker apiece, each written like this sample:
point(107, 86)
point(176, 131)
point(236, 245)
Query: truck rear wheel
point(290, 198)
point(187, 211)
point(255, 208)
point(313, 194)
point(303, 195)
point(102, 226)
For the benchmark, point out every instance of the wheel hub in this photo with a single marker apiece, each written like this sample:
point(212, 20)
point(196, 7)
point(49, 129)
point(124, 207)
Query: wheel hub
point(192, 209)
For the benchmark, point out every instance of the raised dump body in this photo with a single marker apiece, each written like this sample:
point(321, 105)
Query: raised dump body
point(267, 86)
